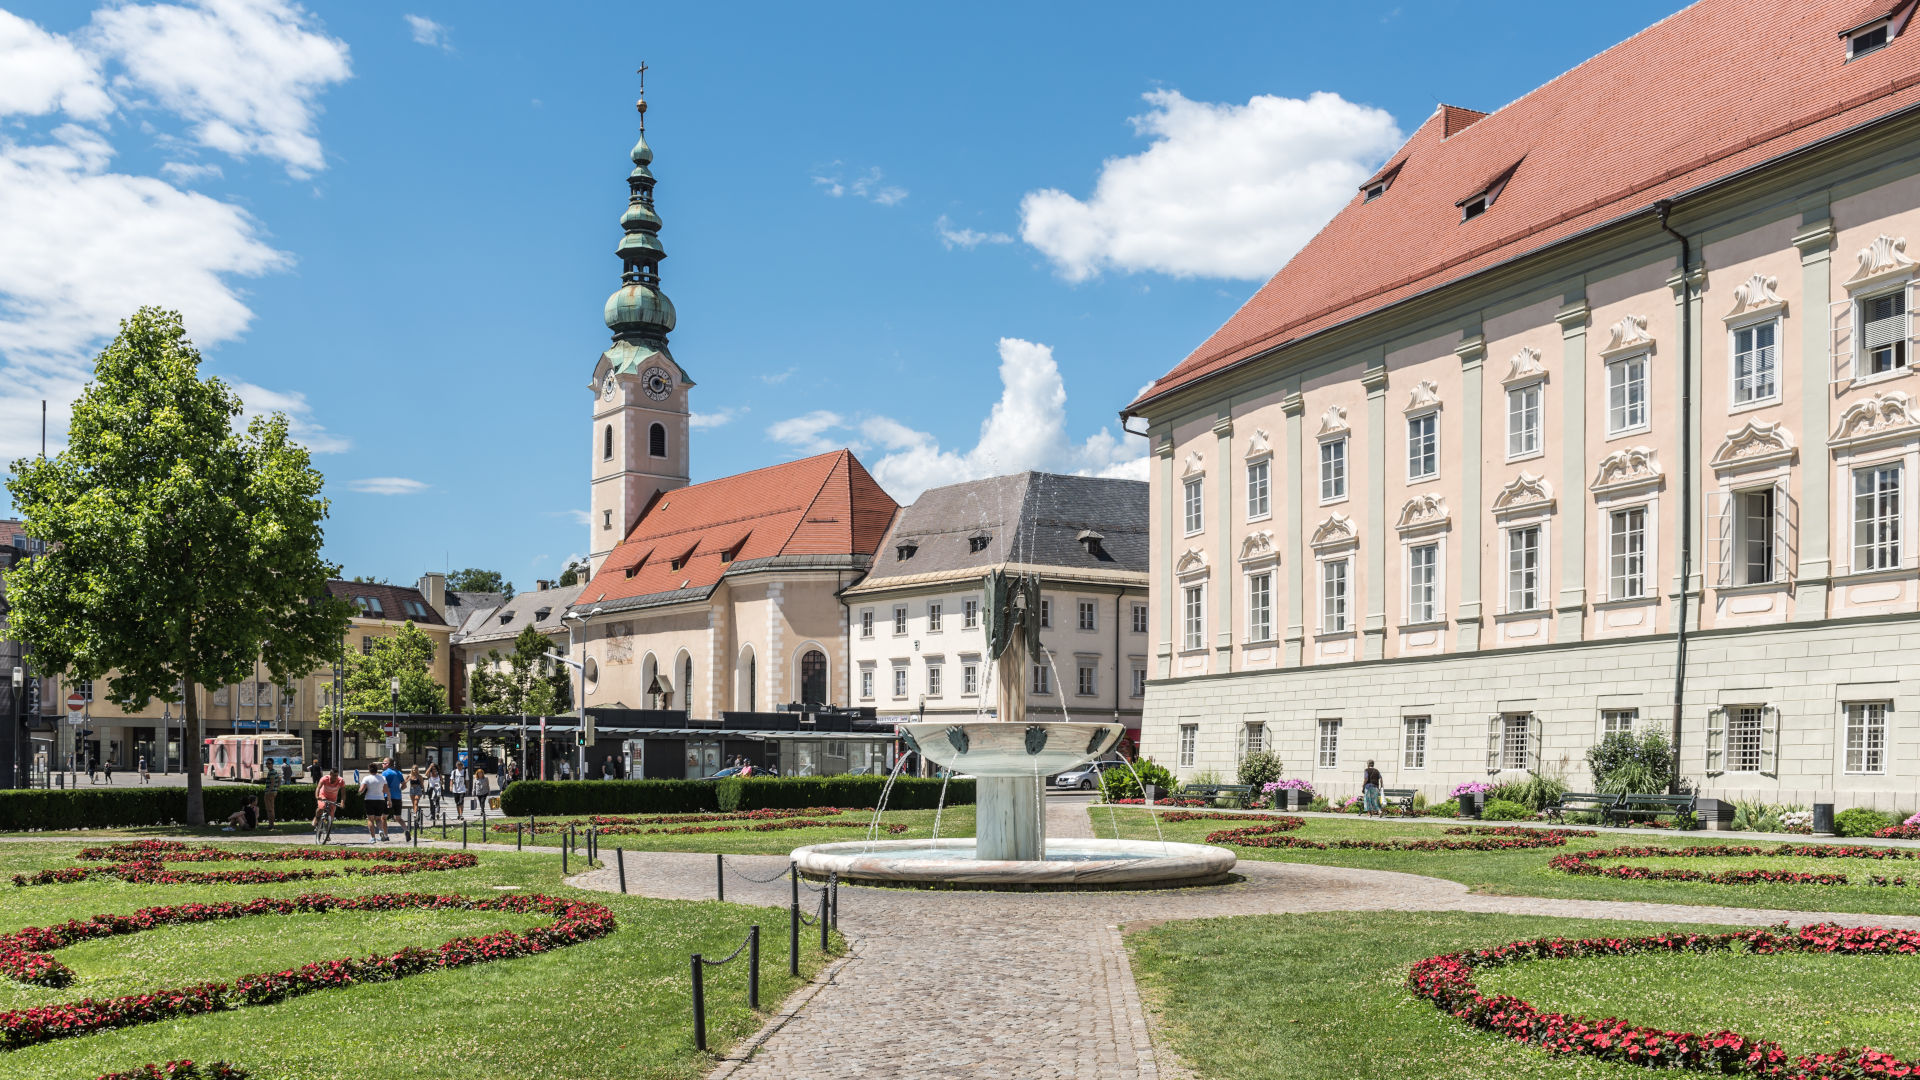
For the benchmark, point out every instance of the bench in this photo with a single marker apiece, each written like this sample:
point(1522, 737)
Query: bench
point(1241, 793)
point(1650, 806)
point(1595, 802)
point(1401, 795)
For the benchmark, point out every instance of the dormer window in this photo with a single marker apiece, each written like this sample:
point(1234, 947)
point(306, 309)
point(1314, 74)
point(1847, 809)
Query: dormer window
point(1474, 207)
point(978, 542)
point(906, 550)
point(1869, 38)
point(540, 614)
point(1481, 201)
point(1375, 191)
point(1091, 541)
point(1381, 181)
point(506, 617)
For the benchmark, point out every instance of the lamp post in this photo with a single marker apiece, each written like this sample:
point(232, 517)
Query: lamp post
point(394, 724)
point(580, 699)
point(14, 721)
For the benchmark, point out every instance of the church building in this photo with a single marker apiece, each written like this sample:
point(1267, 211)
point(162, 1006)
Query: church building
point(721, 596)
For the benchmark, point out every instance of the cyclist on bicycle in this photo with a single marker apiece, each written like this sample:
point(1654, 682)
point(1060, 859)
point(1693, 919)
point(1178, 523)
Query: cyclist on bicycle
point(327, 796)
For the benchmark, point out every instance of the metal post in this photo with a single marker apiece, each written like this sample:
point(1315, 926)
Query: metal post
point(753, 967)
point(699, 1006)
point(823, 920)
point(793, 922)
point(463, 836)
point(620, 857)
point(719, 876)
point(563, 860)
point(833, 891)
point(519, 836)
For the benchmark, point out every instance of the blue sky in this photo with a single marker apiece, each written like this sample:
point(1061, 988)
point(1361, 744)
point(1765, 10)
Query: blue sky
point(959, 239)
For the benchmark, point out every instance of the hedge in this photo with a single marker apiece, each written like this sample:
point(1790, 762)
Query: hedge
point(104, 808)
point(552, 797)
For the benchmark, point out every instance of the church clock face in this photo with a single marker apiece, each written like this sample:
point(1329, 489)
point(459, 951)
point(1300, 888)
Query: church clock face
point(607, 389)
point(658, 383)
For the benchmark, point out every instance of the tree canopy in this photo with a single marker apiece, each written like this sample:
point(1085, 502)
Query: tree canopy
point(575, 573)
point(530, 684)
point(473, 579)
point(180, 550)
point(407, 654)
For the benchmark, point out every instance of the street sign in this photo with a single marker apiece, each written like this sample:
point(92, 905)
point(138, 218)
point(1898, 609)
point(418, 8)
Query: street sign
point(76, 702)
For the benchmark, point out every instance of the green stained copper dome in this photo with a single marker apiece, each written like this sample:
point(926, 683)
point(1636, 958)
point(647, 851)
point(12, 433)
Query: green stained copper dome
point(638, 313)
point(642, 153)
point(639, 309)
point(640, 216)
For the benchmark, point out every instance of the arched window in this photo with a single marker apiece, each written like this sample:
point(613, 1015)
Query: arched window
point(606, 444)
point(686, 684)
point(657, 440)
point(813, 678)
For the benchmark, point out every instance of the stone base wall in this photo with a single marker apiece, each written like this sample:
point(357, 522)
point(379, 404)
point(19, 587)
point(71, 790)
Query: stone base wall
point(1806, 672)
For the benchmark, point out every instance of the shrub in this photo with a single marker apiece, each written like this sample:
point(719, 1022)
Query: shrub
point(727, 793)
point(1450, 808)
point(1627, 763)
point(1260, 768)
point(557, 797)
point(1117, 784)
point(1471, 787)
point(108, 808)
point(1536, 792)
point(1860, 821)
point(1754, 816)
point(1502, 810)
point(1319, 804)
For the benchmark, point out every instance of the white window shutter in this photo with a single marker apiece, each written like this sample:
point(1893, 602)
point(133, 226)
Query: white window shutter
point(1786, 533)
point(1841, 338)
point(1494, 725)
point(1534, 732)
point(1770, 741)
point(1716, 736)
point(1913, 325)
point(1720, 538)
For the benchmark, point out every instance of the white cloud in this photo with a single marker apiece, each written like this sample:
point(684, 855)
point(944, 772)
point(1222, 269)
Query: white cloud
point(775, 378)
point(387, 485)
point(870, 186)
point(580, 517)
point(429, 33)
point(258, 401)
point(712, 419)
point(1223, 191)
point(807, 434)
point(952, 238)
point(181, 172)
point(245, 73)
point(45, 72)
point(1026, 429)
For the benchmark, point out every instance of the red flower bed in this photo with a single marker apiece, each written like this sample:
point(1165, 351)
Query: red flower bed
point(181, 1070)
point(1580, 862)
point(23, 957)
point(1159, 802)
point(1492, 839)
point(143, 863)
point(1447, 981)
point(1190, 815)
point(1899, 832)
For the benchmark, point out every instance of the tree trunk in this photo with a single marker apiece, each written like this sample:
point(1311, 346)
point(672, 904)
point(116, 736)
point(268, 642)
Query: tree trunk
point(190, 758)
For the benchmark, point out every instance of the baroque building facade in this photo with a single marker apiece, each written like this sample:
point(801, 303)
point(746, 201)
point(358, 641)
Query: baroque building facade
point(1548, 435)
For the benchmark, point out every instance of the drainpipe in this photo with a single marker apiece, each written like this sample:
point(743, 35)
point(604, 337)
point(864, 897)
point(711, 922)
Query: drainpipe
point(1663, 208)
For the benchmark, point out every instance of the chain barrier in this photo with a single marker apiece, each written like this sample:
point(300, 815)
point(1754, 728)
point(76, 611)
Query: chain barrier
point(698, 965)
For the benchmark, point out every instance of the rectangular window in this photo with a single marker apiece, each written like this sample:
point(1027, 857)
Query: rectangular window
point(1041, 683)
point(1626, 395)
point(1189, 737)
point(866, 682)
point(1333, 596)
point(1627, 554)
point(1870, 39)
point(1329, 744)
point(1754, 536)
point(1884, 329)
point(1745, 730)
point(1523, 421)
point(933, 680)
point(1194, 623)
point(1756, 363)
point(1415, 742)
point(1139, 682)
point(1089, 680)
point(1876, 517)
point(1523, 569)
point(900, 682)
point(1333, 470)
point(1618, 721)
point(1046, 613)
point(1423, 583)
point(1139, 618)
point(933, 617)
point(1423, 446)
point(366, 645)
point(1866, 737)
point(1196, 506)
point(1253, 738)
point(1260, 607)
point(85, 687)
point(866, 623)
point(899, 620)
point(1257, 485)
point(1513, 741)
point(1088, 615)
point(969, 679)
point(970, 615)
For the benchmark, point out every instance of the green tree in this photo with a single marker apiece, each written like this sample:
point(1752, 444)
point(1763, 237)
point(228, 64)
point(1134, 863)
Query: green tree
point(407, 654)
point(473, 579)
point(575, 573)
point(530, 684)
point(180, 551)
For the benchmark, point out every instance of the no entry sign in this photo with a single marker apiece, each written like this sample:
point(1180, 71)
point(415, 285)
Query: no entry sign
point(76, 702)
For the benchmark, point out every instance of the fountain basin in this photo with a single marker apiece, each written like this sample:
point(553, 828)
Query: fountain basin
point(1069, 864)
point(991, 748)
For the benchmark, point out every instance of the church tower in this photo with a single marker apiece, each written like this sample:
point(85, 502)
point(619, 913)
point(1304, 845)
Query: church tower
point(639, 391)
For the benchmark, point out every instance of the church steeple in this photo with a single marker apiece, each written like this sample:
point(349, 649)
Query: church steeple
point(638, 312)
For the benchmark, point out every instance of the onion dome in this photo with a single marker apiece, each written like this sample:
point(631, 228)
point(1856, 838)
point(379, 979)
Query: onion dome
point(638, 312)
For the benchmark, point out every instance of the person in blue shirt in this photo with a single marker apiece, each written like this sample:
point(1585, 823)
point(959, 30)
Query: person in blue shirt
point(393, 778)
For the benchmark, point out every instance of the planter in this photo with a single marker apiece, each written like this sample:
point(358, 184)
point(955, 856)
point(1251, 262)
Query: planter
point(1715, 814)
point(1471, 804)
point(1823, 819)
point(1296, 798)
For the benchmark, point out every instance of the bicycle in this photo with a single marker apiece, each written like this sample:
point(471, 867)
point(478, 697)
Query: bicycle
point(323, 823)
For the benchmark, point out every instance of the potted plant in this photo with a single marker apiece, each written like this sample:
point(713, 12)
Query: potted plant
point(1289, 794)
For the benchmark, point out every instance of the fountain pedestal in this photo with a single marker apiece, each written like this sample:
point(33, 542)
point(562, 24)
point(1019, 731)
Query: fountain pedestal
point(1010, 819)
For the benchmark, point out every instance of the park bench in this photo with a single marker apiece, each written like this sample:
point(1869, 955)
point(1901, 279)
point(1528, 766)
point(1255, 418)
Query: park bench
point(1597, 802)
point(1401, 795)
point(1240, 793)
point(1654, 806)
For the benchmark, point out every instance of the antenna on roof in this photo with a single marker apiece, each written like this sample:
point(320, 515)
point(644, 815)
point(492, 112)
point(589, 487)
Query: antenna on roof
point(641, 105)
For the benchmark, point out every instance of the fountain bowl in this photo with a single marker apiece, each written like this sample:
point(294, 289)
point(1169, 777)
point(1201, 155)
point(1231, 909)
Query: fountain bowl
point(993, 748)
point(1069, 864)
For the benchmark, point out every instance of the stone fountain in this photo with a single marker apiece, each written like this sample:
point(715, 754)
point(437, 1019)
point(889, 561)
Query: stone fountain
point(1010, 760)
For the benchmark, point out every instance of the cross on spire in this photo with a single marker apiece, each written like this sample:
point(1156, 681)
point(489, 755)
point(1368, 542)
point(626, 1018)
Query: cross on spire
point(641, 105)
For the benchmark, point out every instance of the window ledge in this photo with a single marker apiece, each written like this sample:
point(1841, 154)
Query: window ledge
point(1528, 456)
point(1335, 501)
point(1428, 479)
point(1268, 516)
point(1856, 577)
point(1876, 378)
point(1521, 615)
point(1635, 601)
point(1639, 429)
point(1329, 635)
point(1416, 627)
point(1754, 587)
point(1757, 403)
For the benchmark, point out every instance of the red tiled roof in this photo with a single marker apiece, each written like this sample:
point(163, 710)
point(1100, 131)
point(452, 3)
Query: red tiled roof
point(1717, 88)
point(393, 602)
point(825, 505)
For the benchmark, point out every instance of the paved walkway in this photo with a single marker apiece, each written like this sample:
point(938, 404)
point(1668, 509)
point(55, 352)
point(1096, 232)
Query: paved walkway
point(1037, 985)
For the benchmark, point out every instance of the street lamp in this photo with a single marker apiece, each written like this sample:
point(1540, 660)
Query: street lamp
point(580, 699)
point(14, 720)
point(394, 724)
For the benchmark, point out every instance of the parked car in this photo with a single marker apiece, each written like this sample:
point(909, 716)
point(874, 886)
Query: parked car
point(1086, 777)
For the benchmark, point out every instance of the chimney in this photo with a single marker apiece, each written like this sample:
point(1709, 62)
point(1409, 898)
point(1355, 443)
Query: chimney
point(433, 586)
point(543, 585)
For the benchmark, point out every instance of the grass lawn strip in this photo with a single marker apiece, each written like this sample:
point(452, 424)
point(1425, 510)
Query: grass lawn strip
point(1731, 871)
point(144, 862)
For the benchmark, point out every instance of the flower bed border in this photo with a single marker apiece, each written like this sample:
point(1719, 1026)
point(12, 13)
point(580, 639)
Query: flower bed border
point(1580, 863)
point(142, 862)
point(1447, 982)
point(1494, 838)
point(23, 957)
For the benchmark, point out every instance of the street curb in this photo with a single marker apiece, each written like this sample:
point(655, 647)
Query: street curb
point(789, 1009)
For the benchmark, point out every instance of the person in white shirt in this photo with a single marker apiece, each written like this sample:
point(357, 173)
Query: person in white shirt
point(373, 791)
point(457, 787)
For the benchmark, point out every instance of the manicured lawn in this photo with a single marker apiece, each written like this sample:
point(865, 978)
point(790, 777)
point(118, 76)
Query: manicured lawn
point(1323, 996)
point(742, 838)
point(1525, 872)
point(616, 1006)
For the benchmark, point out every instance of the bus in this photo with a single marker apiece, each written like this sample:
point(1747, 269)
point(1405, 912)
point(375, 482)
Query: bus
point(239, 757)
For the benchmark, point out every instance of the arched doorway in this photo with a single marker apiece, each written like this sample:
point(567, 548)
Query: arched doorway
point(813, 677)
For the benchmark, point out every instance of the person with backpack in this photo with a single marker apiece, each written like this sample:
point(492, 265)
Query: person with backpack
point(373, 792)
point(457, 787)
point(270, 777)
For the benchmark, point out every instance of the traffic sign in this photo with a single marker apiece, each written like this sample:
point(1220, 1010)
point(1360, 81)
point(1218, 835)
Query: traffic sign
point(76, 701)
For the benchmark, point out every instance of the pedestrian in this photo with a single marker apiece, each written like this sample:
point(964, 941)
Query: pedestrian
point(314, 771)
point(416, 789)
point(326, 796)
point(395, 784)
point(108, 769)
point(432, 781)
point(145, 776)
point(246, 817)
point(481, 786)
point(373, 792)
point(566, 769)
point(457, 787)
point(606, 769)
point(93, 767)
point(1370, 789)
point(286, 770)
point(270, 776)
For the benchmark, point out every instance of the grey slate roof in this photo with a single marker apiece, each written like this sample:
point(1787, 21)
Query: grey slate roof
point(1030, 518)
point(500, 624)
point(462, 605)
